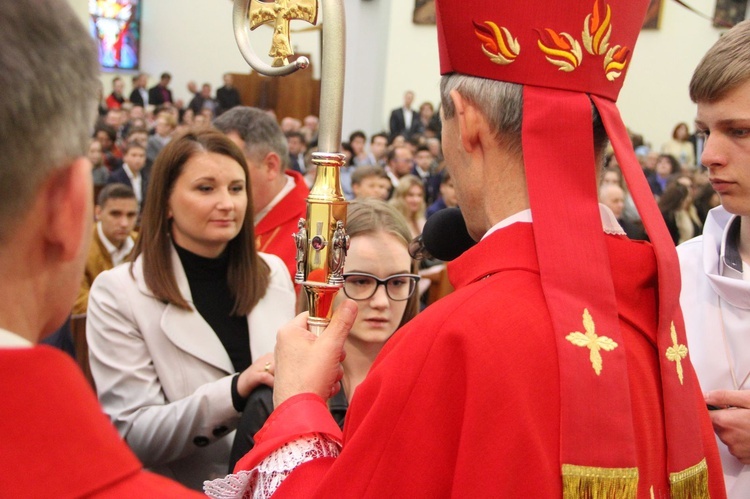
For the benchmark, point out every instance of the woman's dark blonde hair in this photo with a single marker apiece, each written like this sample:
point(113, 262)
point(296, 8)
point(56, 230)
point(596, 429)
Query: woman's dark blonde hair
point(398, 200)
point(370, 216)
point(247, 275)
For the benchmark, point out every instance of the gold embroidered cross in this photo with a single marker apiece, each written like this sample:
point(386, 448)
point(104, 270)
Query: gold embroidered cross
point(280, 12)
point(676, 352)
point(592, 341)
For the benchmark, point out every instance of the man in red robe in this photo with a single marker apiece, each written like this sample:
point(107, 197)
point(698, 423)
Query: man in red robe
point(559, 366)
point(56, 440)
point(279, 193)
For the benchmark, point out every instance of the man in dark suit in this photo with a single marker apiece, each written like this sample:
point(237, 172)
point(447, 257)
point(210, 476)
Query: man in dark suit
point(404, 120)
point(227, 96)
point(297, 147)
point(159, 94)
point(139, 95)
point(425, 168)
point(203, 100)
point(133, 161)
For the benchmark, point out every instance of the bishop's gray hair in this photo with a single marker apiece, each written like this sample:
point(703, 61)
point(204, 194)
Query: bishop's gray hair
point(49, 80)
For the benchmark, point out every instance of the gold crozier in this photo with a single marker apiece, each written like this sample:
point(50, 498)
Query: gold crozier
point(280, 12)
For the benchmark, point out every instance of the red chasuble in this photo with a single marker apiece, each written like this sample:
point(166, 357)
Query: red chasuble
point(273, 234)
point(56, 442)
point(464, 401)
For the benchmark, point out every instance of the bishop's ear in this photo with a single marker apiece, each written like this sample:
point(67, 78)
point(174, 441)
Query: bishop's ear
point(468, 119)
point(68, 197)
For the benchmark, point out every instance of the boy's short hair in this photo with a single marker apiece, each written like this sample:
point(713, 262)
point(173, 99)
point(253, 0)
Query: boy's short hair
point(725, 66)
point(132, 145)
point(357, 133)
point(366, 171)
point(114, 191)
point(108, 129)
point(380, 134)
point(136, 129)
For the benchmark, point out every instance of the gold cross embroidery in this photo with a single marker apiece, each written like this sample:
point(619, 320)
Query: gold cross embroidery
point(592, 341)
point(676, 352)
point(280, 12)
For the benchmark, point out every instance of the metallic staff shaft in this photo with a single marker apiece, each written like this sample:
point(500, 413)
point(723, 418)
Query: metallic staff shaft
point(332, 76)
point(321, 238)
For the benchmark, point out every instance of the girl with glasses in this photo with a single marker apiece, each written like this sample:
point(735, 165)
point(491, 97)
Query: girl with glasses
point(380, 276)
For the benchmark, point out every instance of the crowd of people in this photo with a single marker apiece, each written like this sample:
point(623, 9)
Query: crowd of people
point(148, 119)
point(684, 195)
point(410, 150)
point(194, 206)
point(178, 245)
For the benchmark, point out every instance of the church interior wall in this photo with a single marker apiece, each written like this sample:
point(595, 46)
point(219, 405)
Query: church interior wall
point(387, 54)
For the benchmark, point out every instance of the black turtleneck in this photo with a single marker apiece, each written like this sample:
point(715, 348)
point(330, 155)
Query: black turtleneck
point(207, 278)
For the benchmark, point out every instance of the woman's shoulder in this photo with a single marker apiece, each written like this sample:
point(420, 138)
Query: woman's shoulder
point(119, 273)
point(125, 276)
point(274, 262)
point(278, 269)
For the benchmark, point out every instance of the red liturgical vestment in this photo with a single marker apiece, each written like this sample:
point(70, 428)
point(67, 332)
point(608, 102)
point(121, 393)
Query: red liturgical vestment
point(57, 442)
point(465, 401)
point(273, 234)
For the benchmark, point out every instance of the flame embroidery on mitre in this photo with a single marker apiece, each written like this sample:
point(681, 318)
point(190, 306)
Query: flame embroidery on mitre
point(596, 30)
point(615, 62)
point(497, 43)
point(562, 50)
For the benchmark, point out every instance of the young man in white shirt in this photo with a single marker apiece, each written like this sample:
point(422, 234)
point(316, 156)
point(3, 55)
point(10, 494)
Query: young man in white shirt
point(715, 267)
point(113, 238)
point(133, 162)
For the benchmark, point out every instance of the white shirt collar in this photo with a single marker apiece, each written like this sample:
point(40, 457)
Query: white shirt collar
point(12, 340)
point(730, 261)
point(135, 182)
point(609, 221)
point(117, 255)
point(132, 176)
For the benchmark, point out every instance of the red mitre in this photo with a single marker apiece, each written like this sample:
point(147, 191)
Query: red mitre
point(570, 54)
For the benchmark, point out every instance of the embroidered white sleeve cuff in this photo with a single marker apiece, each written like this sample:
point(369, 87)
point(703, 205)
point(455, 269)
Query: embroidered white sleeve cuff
point(266, 478)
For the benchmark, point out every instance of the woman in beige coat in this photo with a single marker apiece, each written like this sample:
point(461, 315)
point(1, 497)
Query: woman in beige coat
point(179, 338)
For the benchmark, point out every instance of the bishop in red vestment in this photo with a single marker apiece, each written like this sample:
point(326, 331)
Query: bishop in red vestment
point(559, 366)
point(464, 401)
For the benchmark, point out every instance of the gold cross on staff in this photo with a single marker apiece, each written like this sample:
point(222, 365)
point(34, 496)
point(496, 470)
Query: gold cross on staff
point(592, 341)
point(280, 12)
point(676, 352)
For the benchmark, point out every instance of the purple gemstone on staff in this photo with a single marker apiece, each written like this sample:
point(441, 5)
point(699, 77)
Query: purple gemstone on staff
point(318, 243)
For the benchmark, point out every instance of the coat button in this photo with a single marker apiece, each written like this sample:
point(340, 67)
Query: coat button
point(200, 441)
point(220, 431)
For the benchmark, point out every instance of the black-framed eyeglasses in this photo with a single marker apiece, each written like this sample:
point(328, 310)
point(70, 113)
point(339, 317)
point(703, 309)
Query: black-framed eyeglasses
point(361, 286)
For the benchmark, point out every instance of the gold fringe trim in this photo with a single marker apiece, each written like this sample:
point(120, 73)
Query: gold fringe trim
point(599, 483)
point(691, 483)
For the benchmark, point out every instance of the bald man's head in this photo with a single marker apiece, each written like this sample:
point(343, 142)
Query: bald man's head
point(613, 197)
